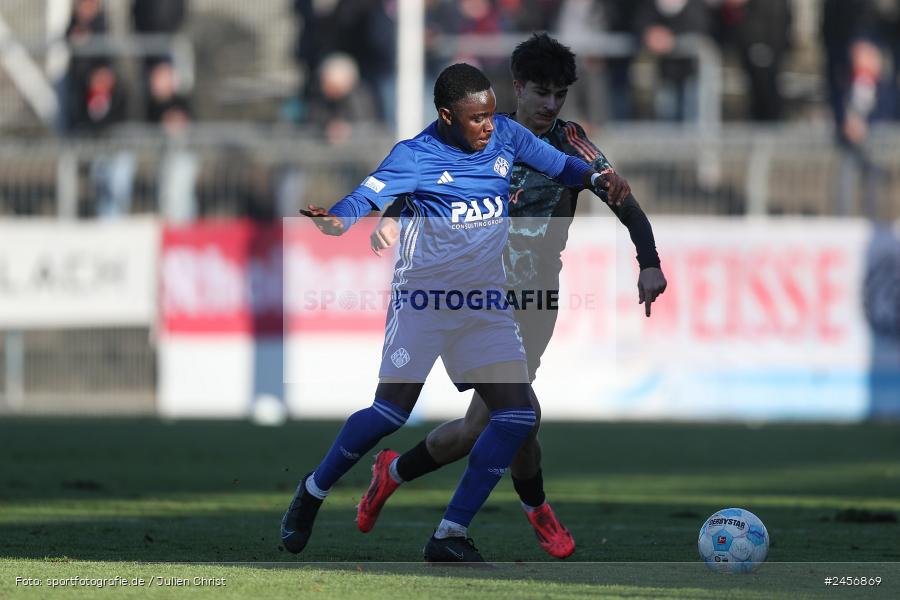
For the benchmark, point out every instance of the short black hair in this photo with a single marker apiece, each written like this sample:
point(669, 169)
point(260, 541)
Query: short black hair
point(541, 59)
point(456, 82)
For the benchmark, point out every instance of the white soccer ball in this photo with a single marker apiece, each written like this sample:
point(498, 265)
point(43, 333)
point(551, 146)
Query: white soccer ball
point(268, 411)
point(733, 540)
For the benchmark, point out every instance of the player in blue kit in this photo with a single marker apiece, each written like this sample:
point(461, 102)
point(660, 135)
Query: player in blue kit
point(455, 176)
point(541, 213)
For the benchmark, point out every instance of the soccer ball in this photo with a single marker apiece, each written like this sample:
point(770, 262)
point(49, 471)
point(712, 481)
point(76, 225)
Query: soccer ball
point(268, 411)
point(733, 540)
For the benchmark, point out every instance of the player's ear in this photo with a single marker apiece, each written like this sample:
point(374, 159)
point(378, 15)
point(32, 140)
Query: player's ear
point(446, 116)
point(519, 86)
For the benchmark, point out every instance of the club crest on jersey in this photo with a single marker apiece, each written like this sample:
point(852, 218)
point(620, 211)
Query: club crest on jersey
point(501, 166)
point(473, 210)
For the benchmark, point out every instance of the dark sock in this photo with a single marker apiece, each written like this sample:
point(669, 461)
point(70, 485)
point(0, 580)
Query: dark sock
point(531, 491)
point(416, 462)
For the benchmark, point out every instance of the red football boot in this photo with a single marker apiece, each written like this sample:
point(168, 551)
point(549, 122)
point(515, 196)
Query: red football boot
point(379, 491)
point(552, 535)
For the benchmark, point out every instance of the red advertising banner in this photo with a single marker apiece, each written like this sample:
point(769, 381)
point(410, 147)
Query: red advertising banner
point(235, 276)
point(222, 277)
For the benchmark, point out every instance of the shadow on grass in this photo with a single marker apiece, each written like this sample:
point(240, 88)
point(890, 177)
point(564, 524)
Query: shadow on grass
point(121, 458)
point(603, 531)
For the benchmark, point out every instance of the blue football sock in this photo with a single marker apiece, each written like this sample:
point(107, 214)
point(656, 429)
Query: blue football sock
point(359, 434)
point(488, 461)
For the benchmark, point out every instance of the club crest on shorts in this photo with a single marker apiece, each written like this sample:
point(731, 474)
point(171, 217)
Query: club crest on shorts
point(400, 357)
point(501, 166)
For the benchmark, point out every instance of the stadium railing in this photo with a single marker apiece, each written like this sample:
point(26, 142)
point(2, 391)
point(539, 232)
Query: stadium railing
point(265, 172)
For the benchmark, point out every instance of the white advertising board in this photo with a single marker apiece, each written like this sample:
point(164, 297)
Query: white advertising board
point(72, 274)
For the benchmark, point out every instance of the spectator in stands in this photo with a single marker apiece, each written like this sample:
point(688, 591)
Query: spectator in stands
point(315, 34)
point(99, 101)
point(860, 38)
point(176, 192)
point(619, 16)
point(659, 23)
point(591, 98)
point(368, 33)
point(163, 97)
point(87, 22)
point(760, 30)
point(341, 99)
point(156, 17)
point(365, 30)
point(103, 104)
point(94, 100)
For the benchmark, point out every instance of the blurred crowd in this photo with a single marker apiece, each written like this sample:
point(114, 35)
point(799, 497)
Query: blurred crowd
point(94, 90)
point(94, 96)
point(345, 55)
point(346, 52)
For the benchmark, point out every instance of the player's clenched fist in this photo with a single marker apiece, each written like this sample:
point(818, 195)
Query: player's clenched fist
point(326, 222)
point(385, 235)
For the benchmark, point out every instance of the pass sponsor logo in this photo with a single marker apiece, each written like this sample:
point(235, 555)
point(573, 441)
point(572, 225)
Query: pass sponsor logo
point(464, 215)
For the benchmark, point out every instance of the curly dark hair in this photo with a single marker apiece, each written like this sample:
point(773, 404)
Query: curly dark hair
point(542, 59)
point(456, 82)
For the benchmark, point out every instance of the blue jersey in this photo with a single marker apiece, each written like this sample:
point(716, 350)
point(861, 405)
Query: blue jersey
point(454, 224)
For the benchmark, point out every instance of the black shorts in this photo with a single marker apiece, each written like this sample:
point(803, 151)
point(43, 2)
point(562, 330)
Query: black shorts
point(536, 325)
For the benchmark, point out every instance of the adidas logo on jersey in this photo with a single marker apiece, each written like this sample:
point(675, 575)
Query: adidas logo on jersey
point(445, 178)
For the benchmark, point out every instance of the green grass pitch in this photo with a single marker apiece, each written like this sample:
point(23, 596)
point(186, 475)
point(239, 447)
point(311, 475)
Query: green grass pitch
point(145, 499)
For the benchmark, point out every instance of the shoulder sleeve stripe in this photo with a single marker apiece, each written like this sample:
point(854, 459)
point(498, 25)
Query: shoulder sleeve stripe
point(584, 147)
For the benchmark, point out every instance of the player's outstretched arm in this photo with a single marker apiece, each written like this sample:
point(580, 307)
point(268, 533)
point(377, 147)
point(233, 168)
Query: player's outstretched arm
point(396, 176)
point(326, 222)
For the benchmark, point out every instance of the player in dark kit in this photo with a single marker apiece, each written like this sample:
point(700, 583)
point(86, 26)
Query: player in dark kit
point(542, 211)
point(454, 177)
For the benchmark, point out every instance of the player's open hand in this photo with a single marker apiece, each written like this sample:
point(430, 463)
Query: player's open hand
point(385, 235)
point(651, 283)
point(615, 186)
point(326, 222)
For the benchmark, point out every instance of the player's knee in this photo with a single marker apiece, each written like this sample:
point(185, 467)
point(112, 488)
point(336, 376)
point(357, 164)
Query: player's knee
point(536, 406)
point(470, 433)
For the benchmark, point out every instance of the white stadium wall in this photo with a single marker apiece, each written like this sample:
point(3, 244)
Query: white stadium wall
point(763, 320)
